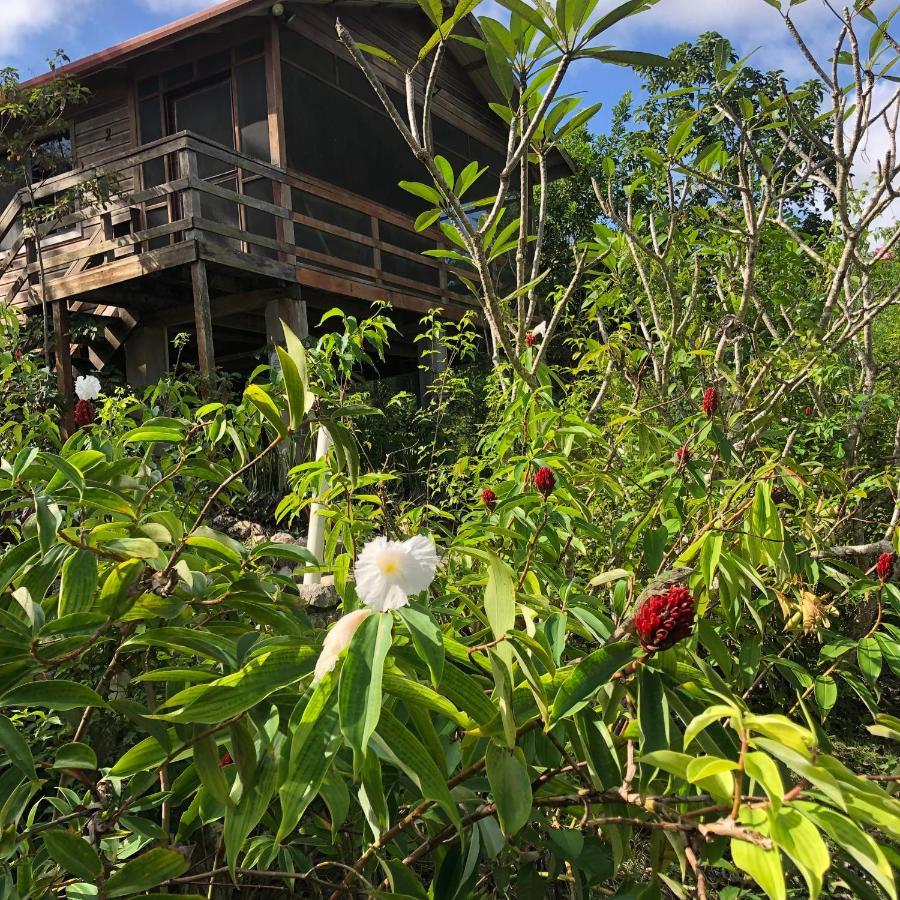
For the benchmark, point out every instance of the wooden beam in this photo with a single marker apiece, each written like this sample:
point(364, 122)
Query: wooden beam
point(203, 318)
point(234, 304)
point(63, 352)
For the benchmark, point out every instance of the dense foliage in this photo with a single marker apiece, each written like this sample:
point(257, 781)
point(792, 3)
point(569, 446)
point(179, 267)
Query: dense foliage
point(615, 613)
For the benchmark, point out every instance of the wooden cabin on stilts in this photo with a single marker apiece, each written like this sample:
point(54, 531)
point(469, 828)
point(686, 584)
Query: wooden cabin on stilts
point(256, 181)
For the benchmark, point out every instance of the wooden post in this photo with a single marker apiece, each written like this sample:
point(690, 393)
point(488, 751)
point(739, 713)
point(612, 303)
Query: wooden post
point(63, 351)
point(203, 318)
point(107, 223)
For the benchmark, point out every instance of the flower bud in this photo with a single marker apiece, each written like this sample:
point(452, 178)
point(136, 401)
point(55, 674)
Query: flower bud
point(530, 339)
point(885, 566)
point(665, 619)
point(85, 414)
point(545, 480)
point(489, 498)
point(683, 456)
point(710, 401)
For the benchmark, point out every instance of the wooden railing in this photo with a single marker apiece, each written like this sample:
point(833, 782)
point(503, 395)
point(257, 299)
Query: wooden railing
point(234, 208)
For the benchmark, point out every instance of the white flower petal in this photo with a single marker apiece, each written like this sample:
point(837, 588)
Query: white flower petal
point(388, 572)
point(87, 387)
point(336, 641)
point(540, 328)
point(423, 562)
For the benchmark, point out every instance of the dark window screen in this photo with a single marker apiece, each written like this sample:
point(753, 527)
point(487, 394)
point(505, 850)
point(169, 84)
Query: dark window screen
point(332, 245)
point(207, 112)
point(151, 130)
point(253, 109)
point(400, 237)
point(259, 222)
point(340, 140)
point(334, 213)
point(408, 268)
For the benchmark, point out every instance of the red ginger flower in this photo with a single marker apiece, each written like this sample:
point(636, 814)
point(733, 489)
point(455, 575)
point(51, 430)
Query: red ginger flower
point(884, 566)
point(530, 339)
point(545, 480)
point(808, 410)
point(665, 619)
point(85, 413)
point(489, 498)
point(225, 760)
point(683, 456)
point(710, 401)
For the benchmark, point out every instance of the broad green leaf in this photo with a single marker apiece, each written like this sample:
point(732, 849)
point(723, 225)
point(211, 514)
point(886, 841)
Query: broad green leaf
point(653, 711)
point(56, 693)
point(225, 698)
point(423, 697)
point(800, 839)
point(762, 769)
point(75, 756)
point(154, 867)
point(426, 637)
point(79, 583)
point(359, 691)
point(16, 748)
point(249, 808)
point(590, 674)
point(395, 742)
point(266, 405)
point(293, 385)
point(510, 783)
point(209, 768)
point(73, 853)
point(763, 866)
point(119, 591)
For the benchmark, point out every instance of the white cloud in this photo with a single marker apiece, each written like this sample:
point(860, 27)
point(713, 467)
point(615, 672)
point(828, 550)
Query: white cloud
point(23, 19)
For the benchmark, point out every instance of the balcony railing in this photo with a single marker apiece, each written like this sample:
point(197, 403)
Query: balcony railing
point(184, 197)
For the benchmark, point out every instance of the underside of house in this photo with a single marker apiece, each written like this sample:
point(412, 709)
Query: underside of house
point(255, 179)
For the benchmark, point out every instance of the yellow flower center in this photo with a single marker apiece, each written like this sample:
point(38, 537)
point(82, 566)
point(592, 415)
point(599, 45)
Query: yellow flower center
point(389, 566)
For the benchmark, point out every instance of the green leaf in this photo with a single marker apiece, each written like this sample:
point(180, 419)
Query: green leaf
point(854, 842)
point(359, 692)
point(763, 866)
point(826, 692)
point(266, 405)
point(800, 839)
point(395, 742)
point(208, 765)
point(316, 740)
point(591, 673)
point(117, 595)
point(426, 637)
point(293, 385)
point(154, 867)
point(79, 583)
point(75, 756)
point(762, 769)
point(16, 748)
point(507, 774)
point(56, 693)
point(248, 810)
point(420, 696)
point(14, 561)
point(231, 695)
point(500, 598)
point(653, 711)
point(73, 853)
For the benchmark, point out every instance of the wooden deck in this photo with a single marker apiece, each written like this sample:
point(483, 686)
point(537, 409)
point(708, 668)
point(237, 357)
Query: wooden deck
point(275, 226)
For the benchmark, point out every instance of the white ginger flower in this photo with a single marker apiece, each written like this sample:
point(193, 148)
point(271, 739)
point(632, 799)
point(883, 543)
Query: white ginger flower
point(389, 572)
point(540, 329)
point(87, 387)
point(336, 642)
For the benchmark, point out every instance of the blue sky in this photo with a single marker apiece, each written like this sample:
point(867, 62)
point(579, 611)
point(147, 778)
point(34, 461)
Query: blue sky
point(30, 31)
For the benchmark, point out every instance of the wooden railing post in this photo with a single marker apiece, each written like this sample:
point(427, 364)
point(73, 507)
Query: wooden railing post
point(284, 228)
point(190, 197)
point(62, 338)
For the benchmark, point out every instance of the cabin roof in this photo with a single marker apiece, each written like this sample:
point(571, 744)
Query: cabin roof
point(207, 20)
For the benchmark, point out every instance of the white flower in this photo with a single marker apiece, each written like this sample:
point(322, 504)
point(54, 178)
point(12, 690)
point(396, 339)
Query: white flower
point(539, 329)
point(388, 572)
point(87, 387)
point(336, 641)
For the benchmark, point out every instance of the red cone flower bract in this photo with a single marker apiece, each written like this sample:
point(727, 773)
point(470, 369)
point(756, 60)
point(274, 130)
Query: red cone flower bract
point(885, 566)
point(710, 401)
point(545, 480)
point(84, 413)
point(489, 498)
point(683, 456)
point(808, 410)
point(225, 760)
point(530, 338)
point(665, 619)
